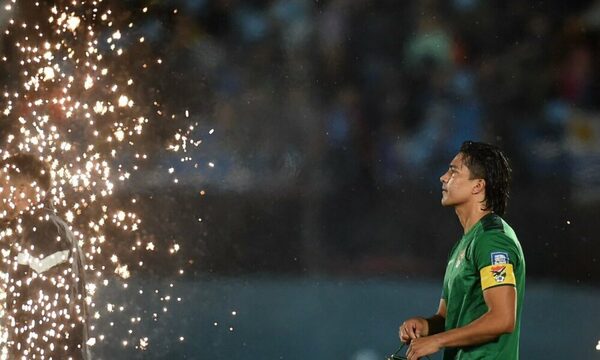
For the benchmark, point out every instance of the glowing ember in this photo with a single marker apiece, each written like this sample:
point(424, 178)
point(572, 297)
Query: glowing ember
point(78, 110)
point(123, 101)
point(119, 134)
point(89, 82)
point(48, 73)
point(73, 23)
point(122, 271)
point(143, 343)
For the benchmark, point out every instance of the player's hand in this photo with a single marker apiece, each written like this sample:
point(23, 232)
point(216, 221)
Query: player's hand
point(421, 347)
point(413, 328)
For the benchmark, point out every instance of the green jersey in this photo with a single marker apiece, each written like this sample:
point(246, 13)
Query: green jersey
point(488, 255)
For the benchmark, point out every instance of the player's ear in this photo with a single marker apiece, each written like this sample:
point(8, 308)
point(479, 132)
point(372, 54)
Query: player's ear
point(479, 186)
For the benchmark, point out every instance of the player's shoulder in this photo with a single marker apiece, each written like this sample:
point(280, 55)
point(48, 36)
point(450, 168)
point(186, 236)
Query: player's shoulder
point(492, 223)
point(495, 226)
point(497, 233)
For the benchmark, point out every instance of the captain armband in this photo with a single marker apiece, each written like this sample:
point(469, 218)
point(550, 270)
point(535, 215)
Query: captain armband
point(494, 275)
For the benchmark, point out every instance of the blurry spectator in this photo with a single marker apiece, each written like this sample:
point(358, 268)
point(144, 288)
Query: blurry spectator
point(430, 46)
point(576, 75)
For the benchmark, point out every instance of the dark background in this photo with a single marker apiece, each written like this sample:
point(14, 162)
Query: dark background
point(333, 121)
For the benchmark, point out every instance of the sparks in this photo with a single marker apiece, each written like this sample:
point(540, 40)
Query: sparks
point(78, 111)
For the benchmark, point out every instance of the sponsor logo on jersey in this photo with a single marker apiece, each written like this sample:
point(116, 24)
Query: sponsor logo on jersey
point(499, 258)
point(499, 273)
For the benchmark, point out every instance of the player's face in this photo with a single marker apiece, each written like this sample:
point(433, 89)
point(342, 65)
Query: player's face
point(457, 185)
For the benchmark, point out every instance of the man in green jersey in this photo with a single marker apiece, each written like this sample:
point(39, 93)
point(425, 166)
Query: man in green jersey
point(480, 310)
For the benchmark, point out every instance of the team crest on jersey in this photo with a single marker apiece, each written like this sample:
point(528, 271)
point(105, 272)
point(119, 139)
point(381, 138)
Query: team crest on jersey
point(499, 258)
point(499, 273)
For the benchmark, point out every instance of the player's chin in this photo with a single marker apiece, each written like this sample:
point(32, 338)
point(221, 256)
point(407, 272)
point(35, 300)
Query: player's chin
point(445, 201)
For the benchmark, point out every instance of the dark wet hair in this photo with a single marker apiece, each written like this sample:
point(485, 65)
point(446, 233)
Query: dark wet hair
point(489, 163)
point(28, 166)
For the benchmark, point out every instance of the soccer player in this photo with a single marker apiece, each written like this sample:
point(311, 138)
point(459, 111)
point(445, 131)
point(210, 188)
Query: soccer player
point(45, 311)
point(482, 297)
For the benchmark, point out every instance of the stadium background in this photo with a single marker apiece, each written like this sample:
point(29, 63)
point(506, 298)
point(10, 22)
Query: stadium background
point(321, 226)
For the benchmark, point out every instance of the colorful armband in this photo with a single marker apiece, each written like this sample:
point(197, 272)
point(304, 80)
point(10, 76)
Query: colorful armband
point(494, 275)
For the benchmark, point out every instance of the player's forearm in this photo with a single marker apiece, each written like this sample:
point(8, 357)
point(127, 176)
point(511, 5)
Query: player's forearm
point(436, 324)
point(485, 329)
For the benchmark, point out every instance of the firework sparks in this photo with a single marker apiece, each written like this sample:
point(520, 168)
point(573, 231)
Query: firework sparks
point(76, 114)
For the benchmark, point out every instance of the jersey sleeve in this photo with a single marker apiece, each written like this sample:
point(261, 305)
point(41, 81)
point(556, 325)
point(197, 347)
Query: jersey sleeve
point(496, 257)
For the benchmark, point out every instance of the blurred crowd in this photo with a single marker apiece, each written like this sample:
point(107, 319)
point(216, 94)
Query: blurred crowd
point(368, 92)
point(334, 120)
point(371, 92)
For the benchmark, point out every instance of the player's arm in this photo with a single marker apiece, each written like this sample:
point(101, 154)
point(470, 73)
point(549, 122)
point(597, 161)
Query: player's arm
point(418, 326)
point(499, 319)
point(437, 323)
point(496, 259)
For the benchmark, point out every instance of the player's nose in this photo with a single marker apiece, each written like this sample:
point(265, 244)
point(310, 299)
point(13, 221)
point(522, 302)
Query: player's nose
point(443, 178)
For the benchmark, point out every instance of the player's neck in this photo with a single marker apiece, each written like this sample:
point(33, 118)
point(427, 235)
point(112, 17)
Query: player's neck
point(469, 215)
